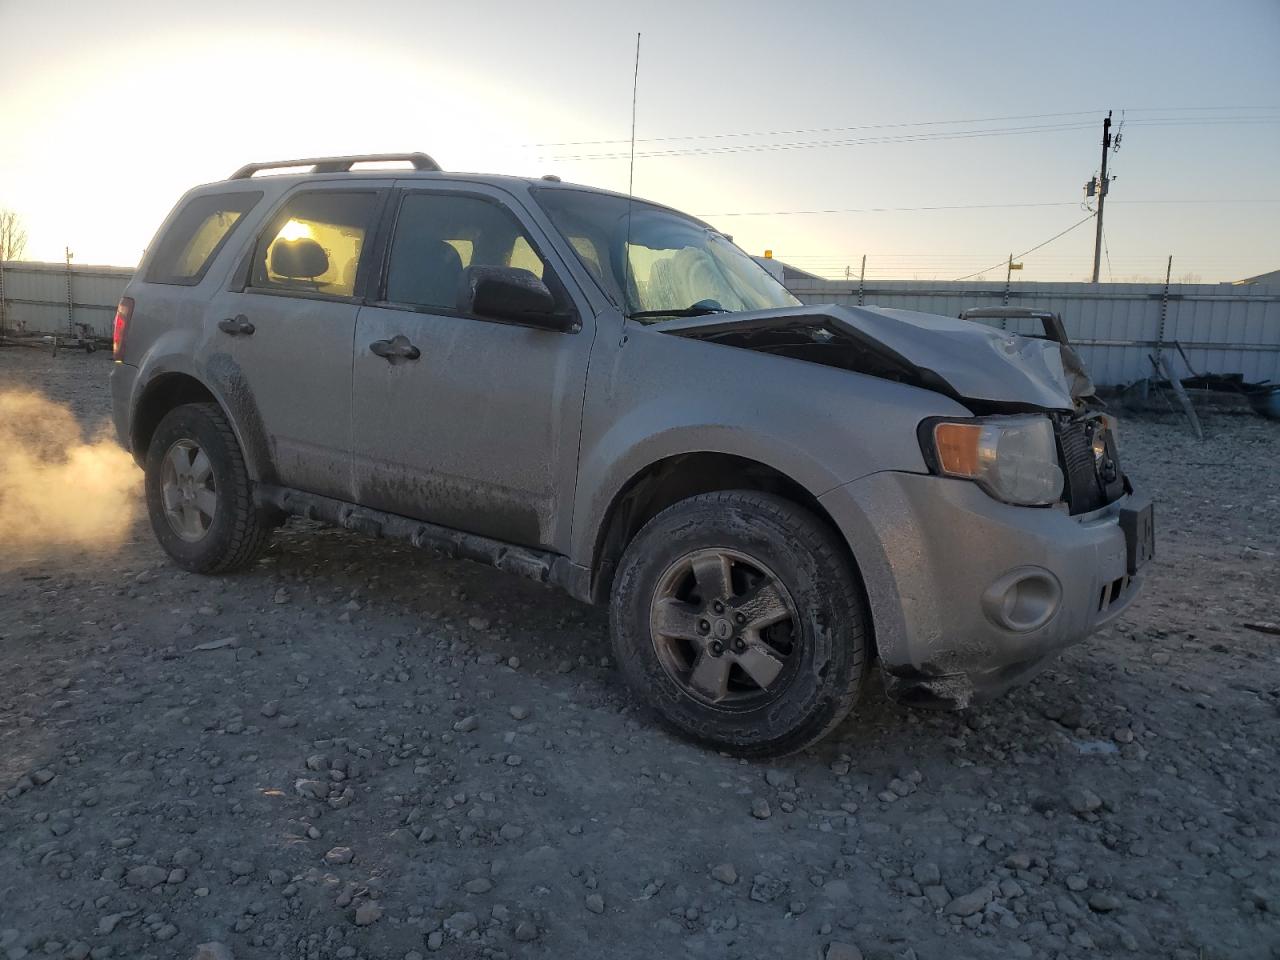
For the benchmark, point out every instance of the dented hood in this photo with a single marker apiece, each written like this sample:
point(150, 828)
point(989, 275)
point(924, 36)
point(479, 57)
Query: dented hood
point(967, 360)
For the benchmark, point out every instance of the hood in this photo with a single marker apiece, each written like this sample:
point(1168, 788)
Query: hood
point(960, 358)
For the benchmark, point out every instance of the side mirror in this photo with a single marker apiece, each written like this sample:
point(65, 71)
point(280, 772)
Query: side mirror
point(513, 295)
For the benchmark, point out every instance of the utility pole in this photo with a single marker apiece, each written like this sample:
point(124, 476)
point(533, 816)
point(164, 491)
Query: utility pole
point(1102, 194)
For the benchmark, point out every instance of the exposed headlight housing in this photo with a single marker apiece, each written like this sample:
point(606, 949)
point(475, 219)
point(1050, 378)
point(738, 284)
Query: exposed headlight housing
point(1013, 458)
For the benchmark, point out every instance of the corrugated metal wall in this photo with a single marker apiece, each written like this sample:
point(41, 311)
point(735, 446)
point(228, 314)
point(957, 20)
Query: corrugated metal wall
point(35, 296)
point(1222, 328)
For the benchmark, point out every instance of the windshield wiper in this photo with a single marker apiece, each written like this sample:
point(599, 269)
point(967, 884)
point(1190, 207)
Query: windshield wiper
point(697, 310)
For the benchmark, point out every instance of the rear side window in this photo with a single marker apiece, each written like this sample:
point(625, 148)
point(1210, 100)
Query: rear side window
point(187, 248)
point(438, 236)
point(314, 244)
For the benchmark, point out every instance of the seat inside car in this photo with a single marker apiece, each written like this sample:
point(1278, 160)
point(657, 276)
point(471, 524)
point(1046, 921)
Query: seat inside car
point(300, 261)
point(424, 270)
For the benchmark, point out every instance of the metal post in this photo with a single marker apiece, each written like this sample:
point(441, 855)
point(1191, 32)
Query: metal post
point(1102, 194)
point(862, 276)
point(2, 318)
point(1164, 308)
point(71, 325)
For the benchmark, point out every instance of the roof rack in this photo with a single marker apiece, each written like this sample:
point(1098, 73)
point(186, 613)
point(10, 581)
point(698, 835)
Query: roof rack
point(420, 161)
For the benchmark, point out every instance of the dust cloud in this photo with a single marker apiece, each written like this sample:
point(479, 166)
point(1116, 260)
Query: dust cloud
point(57, 486)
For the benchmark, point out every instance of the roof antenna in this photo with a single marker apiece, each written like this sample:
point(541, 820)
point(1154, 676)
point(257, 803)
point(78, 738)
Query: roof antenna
point(631, 180)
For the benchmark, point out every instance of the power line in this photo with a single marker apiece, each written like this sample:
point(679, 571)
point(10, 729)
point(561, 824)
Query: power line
point(882, 126)
point(708, 151)
point(963, 206)
point(1018, 256)
point(810, 144)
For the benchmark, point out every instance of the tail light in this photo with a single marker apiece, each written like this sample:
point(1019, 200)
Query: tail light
point(124, 312)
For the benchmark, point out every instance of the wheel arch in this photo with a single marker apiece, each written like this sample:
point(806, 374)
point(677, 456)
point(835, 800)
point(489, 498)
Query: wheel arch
point(680, 476)
point(172, 389)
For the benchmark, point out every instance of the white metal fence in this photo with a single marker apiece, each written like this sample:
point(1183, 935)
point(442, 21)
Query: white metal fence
point(1222, 328)
point(49, 297)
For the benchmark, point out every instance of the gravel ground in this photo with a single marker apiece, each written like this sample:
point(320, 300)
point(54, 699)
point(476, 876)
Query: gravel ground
point(354, 751)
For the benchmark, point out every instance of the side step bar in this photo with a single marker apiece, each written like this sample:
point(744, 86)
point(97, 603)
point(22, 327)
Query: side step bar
point(540, 565)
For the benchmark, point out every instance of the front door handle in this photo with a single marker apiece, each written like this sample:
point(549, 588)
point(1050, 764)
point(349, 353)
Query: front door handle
point(397, 348)
point(238, 326)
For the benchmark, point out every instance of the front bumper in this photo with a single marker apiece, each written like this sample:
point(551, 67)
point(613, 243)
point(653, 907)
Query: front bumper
point(934, 551)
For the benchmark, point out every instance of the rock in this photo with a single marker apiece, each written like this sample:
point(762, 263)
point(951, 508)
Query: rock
point(926, 874)
point(760, 808)
point(938, 895)
point(478, 885)
point(766, 889)
point(213, 951)
point(518, 713)
point(1103, 902)
point(725, 873)
point(467, 724)
point(311, 789)
point(595, 903)
point(435, 940)
point(41, 777)
point(339, 855)
point(780, 779)
point(461, 923)
point(109, 923)
point(368, 912)
point(166, 931)
point(525, 931)
point(842, 951)
point(270, 708)
point(221, 644)
point(1082, 800)
point(1076, 883)
point(186, 857)
point(969, 903)
point(146, 876)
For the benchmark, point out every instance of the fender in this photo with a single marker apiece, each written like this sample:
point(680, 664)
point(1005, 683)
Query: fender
point(223, 378)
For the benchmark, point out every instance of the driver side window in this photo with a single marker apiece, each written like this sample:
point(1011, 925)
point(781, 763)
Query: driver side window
point(439, 236)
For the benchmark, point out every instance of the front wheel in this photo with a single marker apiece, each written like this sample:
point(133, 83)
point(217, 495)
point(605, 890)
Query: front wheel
point(738, 616)
point(199, 495)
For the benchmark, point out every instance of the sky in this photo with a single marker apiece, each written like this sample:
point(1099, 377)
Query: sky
point(946, 136)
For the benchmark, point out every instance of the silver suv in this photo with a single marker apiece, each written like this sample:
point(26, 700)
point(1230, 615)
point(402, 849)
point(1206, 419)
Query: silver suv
point(606, 394)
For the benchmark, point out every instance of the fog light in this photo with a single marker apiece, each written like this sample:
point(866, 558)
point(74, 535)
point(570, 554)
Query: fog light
point(1023, 599)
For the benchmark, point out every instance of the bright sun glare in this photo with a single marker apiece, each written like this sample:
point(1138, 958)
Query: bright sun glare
point(293, 230)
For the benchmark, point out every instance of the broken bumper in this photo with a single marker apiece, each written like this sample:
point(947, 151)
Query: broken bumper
point(969, 595)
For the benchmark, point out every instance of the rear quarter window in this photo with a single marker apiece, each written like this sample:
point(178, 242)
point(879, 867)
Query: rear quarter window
point(201, 228)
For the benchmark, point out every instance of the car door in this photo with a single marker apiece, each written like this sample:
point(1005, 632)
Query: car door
point(288, 323)
point(478, 431)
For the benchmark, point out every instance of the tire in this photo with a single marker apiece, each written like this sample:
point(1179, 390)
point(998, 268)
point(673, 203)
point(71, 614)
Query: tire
point(821, 644)
point(229, 532)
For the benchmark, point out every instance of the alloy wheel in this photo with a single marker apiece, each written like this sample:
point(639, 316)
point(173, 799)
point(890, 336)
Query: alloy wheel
point(725, 628)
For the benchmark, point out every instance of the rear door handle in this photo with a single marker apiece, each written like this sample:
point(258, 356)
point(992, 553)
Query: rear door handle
point(238, 326)
point(397, 348)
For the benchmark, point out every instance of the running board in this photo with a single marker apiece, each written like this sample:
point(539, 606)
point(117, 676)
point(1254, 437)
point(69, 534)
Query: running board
point(540, 565)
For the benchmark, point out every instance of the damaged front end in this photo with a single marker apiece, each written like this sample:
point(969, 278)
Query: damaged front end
point(979, 583)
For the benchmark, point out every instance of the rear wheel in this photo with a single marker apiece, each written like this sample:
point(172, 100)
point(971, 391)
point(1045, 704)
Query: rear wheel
point(199, 495)
point(738, 617)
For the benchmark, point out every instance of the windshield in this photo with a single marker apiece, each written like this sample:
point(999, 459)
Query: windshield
point(671, 266)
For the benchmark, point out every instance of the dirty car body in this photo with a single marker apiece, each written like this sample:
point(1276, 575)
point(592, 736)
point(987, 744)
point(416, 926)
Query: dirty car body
point(540, 422)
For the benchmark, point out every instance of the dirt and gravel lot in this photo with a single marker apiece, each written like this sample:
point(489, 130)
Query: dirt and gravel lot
point(355, 751)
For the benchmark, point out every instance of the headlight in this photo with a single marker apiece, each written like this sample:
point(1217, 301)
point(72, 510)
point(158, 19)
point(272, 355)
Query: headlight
point(1014, 459)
